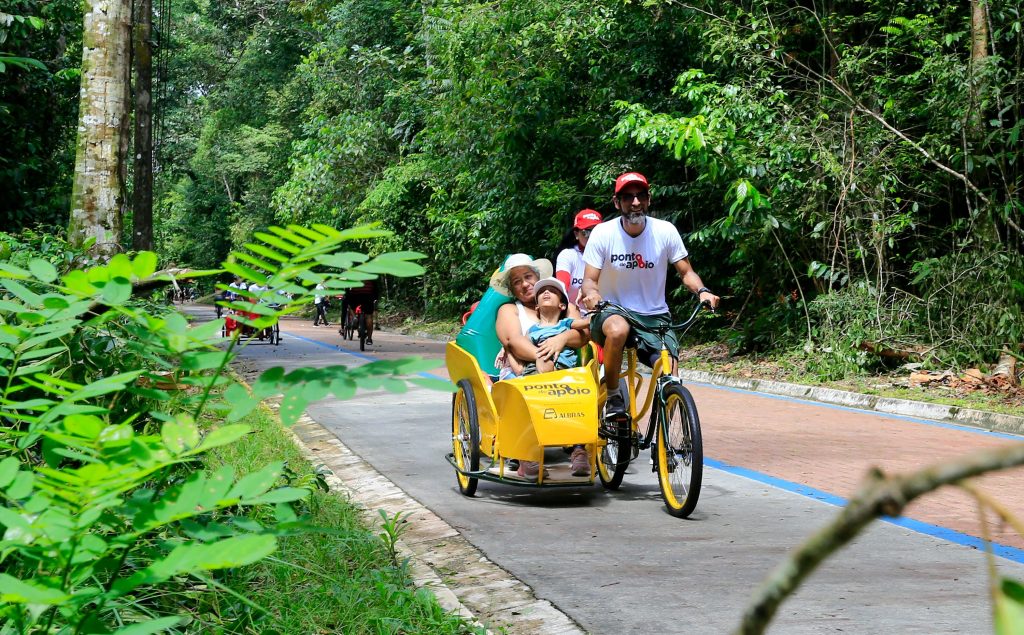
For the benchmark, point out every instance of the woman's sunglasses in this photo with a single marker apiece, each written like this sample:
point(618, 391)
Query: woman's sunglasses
point(584, 232)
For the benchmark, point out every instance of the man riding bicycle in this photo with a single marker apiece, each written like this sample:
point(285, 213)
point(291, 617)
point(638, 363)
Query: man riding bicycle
point(364, 299)
point(627, 261)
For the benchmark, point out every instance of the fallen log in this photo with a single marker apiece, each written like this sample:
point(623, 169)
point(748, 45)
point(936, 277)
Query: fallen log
point(913, 354)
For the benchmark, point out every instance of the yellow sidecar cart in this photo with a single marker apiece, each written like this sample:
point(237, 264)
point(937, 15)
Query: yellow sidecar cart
point(518, 419)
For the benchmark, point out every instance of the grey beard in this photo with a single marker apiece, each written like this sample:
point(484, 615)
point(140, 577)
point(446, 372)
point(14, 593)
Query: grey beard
point(635, 218)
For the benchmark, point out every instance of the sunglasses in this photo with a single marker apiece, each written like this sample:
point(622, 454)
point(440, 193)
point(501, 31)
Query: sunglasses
point(628, 198)
point(584, 232)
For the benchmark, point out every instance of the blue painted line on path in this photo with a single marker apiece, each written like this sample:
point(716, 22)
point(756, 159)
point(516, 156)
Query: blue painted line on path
point(942, 533)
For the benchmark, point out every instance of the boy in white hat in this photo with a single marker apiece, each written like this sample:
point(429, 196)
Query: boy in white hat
point(552, 306)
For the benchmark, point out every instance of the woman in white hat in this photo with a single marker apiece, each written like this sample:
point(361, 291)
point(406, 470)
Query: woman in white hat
point(516, 279)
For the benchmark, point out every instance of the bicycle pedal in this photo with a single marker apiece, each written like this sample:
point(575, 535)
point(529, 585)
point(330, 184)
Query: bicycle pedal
point(617, 428)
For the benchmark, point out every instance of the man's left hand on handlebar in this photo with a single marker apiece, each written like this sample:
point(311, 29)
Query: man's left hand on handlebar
point(704, 295)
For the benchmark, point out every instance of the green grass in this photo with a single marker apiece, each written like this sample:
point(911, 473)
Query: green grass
point(342, 580)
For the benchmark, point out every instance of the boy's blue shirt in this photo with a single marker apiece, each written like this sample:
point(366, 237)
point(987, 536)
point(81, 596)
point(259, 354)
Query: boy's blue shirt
point(538, 333)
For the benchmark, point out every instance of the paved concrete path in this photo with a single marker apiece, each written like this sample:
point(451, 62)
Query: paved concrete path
point(616, 562)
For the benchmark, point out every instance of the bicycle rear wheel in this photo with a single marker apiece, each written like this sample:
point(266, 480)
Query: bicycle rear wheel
point(465, 436)
point(362, 331)
point(618, 450)
point(679, 455)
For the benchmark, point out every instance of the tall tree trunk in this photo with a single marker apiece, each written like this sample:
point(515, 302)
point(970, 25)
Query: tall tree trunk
point(97, 196)
point(979, 55)
point(142, 194)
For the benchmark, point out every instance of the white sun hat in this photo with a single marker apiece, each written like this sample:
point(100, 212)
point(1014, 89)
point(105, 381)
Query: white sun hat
point(541, 266)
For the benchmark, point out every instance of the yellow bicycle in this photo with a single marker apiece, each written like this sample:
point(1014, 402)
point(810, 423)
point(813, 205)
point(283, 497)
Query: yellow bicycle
point(673, 428)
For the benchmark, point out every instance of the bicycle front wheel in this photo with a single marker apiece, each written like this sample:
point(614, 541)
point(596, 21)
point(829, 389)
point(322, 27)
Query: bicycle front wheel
point(679, 454)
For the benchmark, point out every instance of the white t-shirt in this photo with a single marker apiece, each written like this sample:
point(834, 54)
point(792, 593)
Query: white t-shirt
point(633, 270)
point(571, 260)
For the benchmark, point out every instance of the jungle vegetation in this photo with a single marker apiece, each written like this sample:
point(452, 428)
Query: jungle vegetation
point(846, 173)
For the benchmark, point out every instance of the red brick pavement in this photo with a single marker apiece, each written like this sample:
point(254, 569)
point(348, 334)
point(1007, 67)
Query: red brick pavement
point(825, 448)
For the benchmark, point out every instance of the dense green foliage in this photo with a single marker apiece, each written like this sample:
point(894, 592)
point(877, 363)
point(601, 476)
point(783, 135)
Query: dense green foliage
point(109, 406)
point(40, 51)
point(816, 158)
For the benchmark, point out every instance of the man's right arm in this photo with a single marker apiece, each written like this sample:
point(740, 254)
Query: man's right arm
point(589, 292)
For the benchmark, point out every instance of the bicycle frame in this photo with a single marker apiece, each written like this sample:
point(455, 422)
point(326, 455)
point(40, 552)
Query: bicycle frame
point(658, 380)
point(676, 446)
point(661, 375)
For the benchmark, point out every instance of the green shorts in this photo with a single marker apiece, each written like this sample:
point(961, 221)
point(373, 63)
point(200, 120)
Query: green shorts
point(646, 343)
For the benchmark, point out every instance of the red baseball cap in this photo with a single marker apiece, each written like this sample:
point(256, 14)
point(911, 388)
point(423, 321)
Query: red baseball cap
point(587, 218)
point(630, 177)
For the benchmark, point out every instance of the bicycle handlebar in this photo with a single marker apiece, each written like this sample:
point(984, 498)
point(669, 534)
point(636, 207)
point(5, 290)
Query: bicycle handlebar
point(660, 330)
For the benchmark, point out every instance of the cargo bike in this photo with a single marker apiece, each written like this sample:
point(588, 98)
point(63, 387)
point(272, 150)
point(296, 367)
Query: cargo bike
point(238, 320)
point(493, 422)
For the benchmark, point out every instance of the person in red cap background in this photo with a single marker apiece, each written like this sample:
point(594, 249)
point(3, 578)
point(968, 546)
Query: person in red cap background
point(569, 265)
point(627, 263)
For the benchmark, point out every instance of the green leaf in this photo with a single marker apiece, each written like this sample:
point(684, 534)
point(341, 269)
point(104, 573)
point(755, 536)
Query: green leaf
point(77, 282)
point(280, 495)
point(277, 242)
point(1009, 609)
point(16, 591)
point(204, 360)
point(144, 264)
point(120, 266)
point(14, 521)
point(8, 470)
point(117, 291)
point(257, 483)
point(292, 407)
point(245, 273)
point(22, 486)
point(22, 293)
point(241, 402)
point(56, 302)
point(85, 426)
point(149, 627)
point(42, 270)
point(230, 552)
point(10, 272)
point(181, 435)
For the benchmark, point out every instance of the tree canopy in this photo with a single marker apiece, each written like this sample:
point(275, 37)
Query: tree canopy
point(848, 172)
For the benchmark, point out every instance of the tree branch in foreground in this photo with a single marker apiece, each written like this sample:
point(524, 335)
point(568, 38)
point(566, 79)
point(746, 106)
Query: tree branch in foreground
point(878, 496)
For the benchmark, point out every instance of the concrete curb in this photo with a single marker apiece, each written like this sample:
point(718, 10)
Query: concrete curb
point(887, 405)
point(440, 559)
